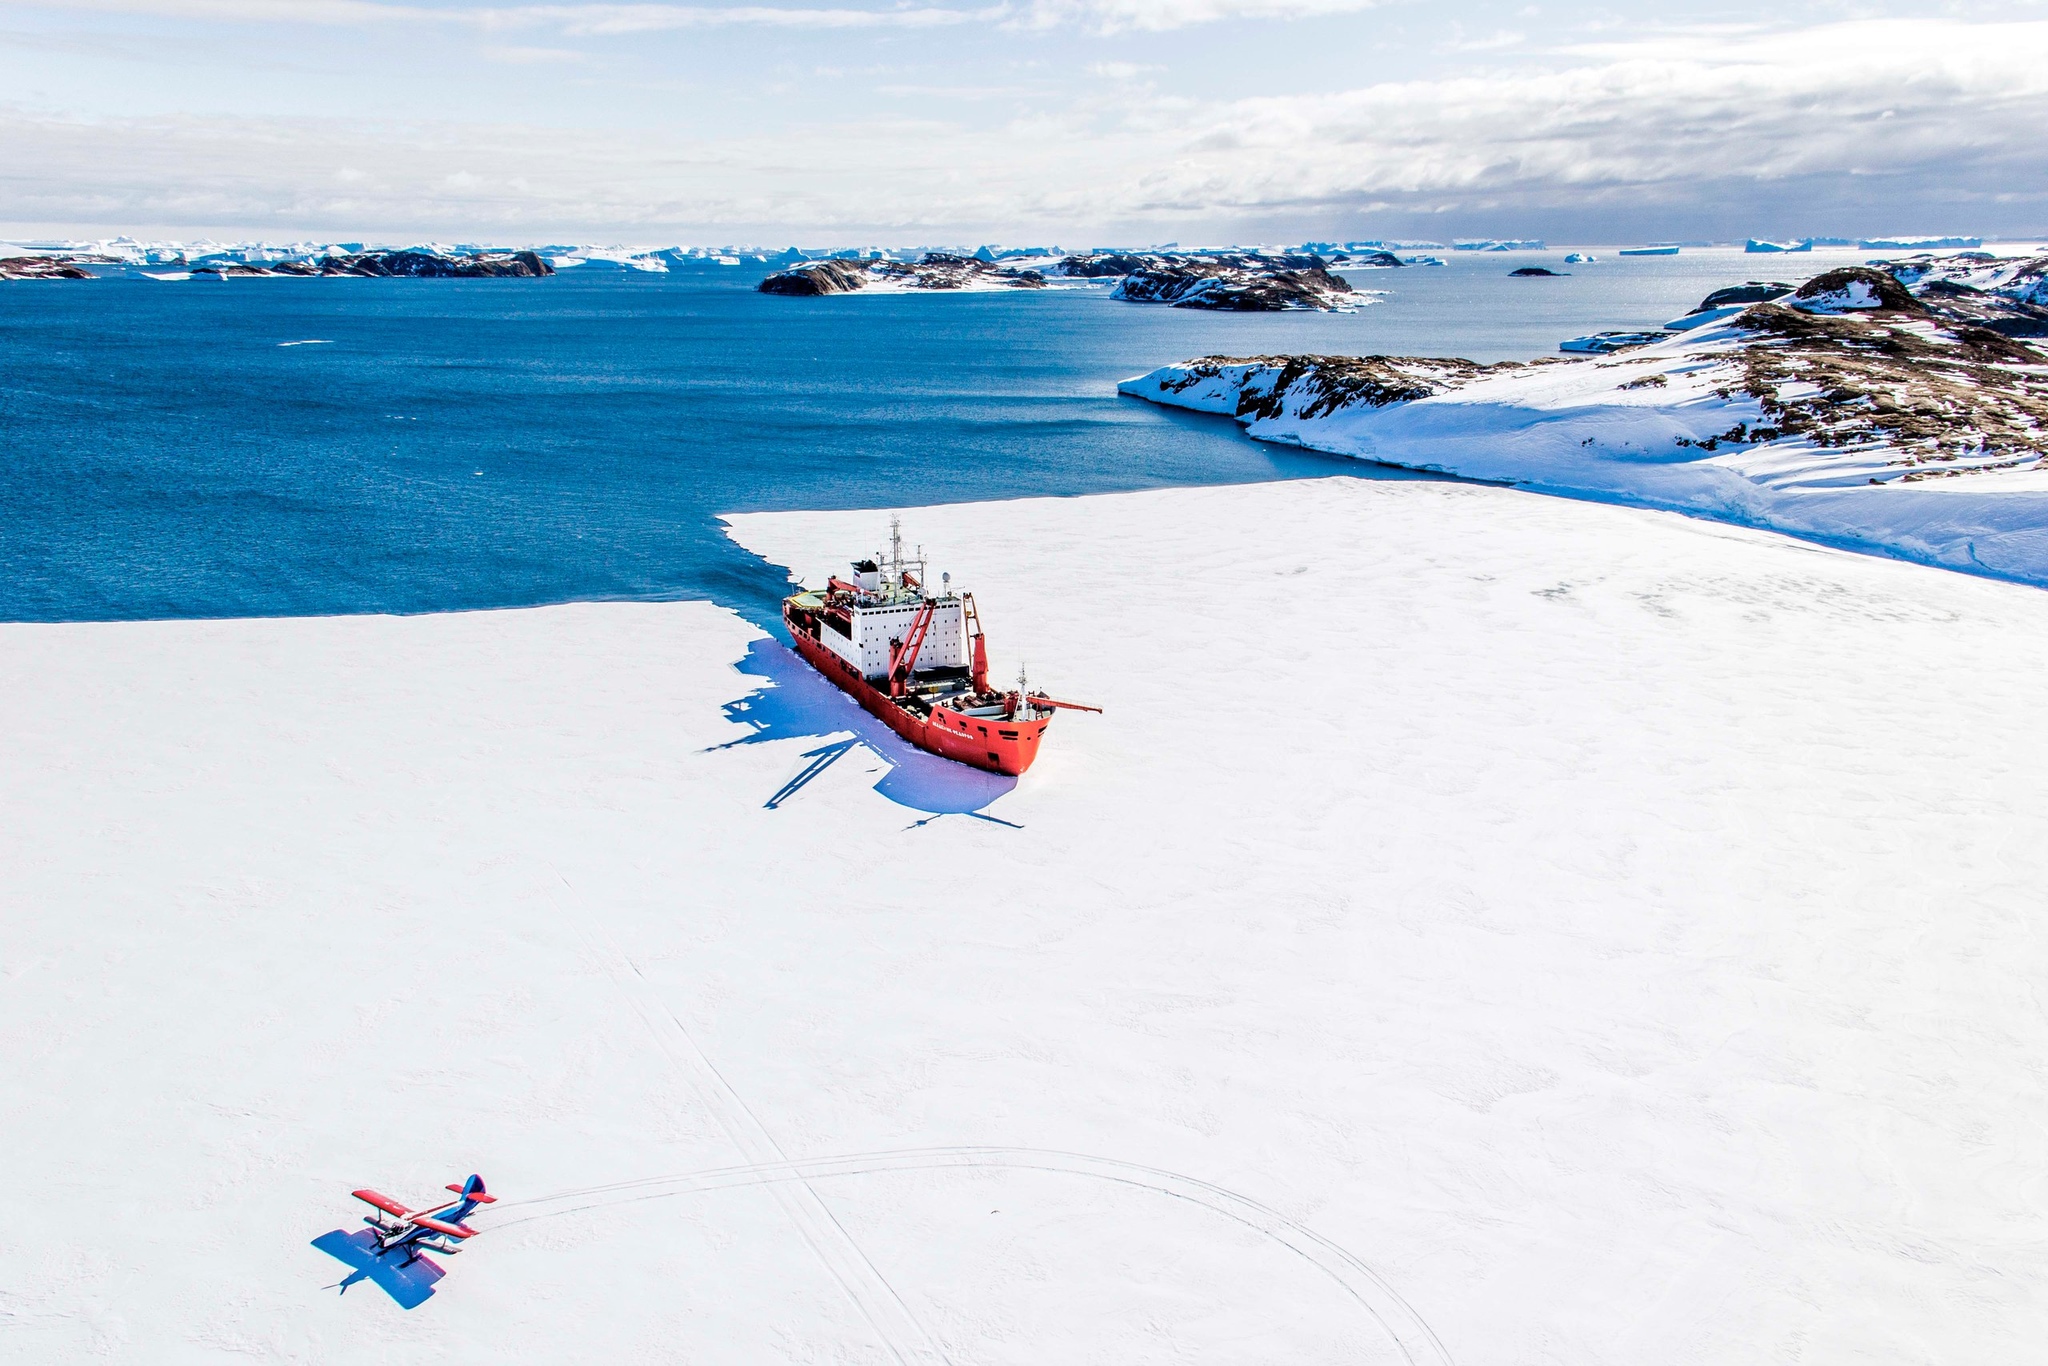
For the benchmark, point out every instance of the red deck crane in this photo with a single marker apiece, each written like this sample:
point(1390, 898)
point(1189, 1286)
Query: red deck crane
point(903, 653)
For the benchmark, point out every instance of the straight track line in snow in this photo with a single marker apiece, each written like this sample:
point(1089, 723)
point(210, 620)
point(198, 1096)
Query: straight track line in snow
point(856, 1275)
point(1403, 1326)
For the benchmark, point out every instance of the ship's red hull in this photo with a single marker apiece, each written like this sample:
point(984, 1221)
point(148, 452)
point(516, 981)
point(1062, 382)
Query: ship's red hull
point(983, 742)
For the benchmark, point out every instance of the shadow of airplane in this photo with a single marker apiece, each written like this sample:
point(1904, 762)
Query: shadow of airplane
point(796, 703)
point(411, 1286)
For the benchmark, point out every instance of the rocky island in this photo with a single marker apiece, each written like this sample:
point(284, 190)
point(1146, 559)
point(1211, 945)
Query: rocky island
point(413, 264)
point(934, 270)
point(1898, 408)
point(42, 268)
point(1239, 282)
point(421, 263)
point(1235, 282)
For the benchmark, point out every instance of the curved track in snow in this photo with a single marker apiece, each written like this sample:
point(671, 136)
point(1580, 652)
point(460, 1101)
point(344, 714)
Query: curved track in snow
point(1405, 1328)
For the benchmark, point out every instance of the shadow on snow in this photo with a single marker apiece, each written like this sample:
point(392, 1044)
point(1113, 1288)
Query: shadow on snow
point(796, 703)
point(411, 1286)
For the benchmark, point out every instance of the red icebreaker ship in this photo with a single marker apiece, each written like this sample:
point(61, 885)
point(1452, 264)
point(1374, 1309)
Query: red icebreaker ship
point(918, 660)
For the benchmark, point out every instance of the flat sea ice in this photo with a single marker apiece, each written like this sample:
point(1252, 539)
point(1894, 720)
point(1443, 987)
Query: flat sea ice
point(1616, 935)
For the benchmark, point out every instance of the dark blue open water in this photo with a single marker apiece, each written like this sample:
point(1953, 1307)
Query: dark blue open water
point(456, 444)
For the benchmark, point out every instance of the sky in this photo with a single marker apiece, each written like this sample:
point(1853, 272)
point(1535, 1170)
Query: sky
point(1071, 122)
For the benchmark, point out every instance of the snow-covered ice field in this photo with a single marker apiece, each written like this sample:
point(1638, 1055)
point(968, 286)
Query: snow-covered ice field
point(1617, 937)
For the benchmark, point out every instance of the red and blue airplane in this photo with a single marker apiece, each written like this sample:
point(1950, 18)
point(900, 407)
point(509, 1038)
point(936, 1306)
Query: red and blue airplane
point(439, 1229)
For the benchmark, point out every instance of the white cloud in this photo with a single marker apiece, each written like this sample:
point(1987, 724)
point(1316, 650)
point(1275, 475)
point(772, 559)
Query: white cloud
point(1166, 15)
point(252, 11)
point(1108, 17)
point(533, 56)
point(573, 20)
point(1896, 115)
point(1497, 41)
point(1121, 71)
point(1672, 109)
point(616, 19)
point(1100, 16)
point(1156, 16)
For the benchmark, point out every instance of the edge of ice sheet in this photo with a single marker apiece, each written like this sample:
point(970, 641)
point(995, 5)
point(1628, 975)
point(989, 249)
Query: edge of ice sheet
point(1587, 429)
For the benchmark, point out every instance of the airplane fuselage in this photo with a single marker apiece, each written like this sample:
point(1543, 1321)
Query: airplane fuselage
point(412, 1232)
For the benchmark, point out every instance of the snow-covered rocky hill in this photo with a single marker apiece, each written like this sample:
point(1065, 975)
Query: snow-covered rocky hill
point(119, 257)
point(936, 270)
point(1854, 411)
point(172, 262)
point(2006, 294)
point(1224, 281)
point(39, 267)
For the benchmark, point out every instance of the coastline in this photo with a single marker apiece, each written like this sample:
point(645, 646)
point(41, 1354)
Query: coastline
point(1644, 429)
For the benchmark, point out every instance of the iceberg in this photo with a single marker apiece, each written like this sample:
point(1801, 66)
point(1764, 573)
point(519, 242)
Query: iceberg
point(1917, 243)
point(611, 258)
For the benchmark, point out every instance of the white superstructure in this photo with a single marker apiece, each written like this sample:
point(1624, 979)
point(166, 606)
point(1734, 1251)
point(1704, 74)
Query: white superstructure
point(892, 589)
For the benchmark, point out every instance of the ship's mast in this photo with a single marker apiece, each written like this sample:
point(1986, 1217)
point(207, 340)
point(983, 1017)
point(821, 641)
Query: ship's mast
point(895, 566)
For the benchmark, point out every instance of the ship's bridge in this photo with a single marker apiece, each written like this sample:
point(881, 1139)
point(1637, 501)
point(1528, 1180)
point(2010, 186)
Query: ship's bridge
point(874, 627)
point(890, 590)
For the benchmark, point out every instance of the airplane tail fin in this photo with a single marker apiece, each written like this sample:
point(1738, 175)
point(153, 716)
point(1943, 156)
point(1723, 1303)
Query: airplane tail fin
point(473, 1189)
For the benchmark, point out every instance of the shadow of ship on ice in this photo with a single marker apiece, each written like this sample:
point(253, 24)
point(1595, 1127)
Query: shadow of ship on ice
point(796, 703)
